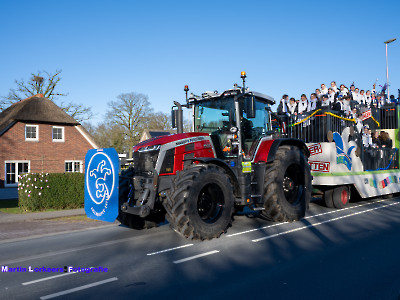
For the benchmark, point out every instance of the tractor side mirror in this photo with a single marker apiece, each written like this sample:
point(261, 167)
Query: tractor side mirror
point(250, 107)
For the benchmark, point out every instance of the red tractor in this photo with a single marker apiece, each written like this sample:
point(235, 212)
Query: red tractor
point(233, 159)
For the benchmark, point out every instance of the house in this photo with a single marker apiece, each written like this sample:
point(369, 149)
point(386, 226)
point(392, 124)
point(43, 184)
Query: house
point(152, 133)
point(38, 136)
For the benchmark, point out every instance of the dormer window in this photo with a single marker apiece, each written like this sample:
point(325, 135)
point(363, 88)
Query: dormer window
point(31, 132)
point(58, 134)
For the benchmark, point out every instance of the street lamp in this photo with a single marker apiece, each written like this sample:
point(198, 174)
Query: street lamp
point(387, 68)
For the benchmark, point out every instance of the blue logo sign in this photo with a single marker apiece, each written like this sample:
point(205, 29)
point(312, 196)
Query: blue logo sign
point(342, 157)
point(101, 184)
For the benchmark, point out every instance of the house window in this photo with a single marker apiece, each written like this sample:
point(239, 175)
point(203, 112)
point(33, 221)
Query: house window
point(58, 134)
point(31, 132)
point(13, 169)
point(73, 166)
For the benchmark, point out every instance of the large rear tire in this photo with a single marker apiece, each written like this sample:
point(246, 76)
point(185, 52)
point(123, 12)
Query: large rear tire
point(287, 186)
point(200, 203)
point(129, 220)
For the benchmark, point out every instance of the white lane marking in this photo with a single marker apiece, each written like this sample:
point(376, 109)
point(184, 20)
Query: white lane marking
point(194, 257)
point(65, 251)
point(48, 278)
point(346, 208)
point(79, 288)
point(309, 217)
point(170, 249)
point(256, 229)
point(323, 222)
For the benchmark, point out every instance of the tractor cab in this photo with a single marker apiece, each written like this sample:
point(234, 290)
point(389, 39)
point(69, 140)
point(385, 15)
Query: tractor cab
point(236, 119)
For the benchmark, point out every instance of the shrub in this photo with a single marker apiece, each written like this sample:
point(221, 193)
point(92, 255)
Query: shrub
point(39, 191)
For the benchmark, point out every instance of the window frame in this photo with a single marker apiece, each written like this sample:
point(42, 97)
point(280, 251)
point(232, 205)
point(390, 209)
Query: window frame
point(62, 132)
point(15, 162)
point(37, 133)
point(73, 166)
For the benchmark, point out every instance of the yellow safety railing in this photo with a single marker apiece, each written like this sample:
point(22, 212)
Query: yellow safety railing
point(333, 115)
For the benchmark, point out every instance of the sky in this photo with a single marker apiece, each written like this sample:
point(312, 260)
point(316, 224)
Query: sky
point(106, 48)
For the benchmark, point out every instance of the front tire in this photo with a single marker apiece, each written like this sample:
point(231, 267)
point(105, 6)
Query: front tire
point(287, 186)
point(200, 203)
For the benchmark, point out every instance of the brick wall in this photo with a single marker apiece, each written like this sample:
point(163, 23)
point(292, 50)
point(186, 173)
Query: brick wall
point(44, 155)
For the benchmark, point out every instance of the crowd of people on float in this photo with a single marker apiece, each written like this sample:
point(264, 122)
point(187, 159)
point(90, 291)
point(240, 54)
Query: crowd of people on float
point(336, 98)
point(347, 101)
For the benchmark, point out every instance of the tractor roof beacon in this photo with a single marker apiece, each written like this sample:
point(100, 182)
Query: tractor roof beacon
point(232, 159)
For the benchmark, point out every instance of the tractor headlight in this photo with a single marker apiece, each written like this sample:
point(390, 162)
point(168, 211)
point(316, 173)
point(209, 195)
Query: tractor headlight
point(150, 148)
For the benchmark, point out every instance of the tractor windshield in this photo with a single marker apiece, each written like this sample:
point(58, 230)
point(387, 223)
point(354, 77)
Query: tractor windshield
point(216, 117)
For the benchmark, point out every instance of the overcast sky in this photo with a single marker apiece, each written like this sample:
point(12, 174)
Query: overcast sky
point(156, 47)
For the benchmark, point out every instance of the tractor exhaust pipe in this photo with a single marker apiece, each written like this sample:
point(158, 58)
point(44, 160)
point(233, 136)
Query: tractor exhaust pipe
point(177, 118)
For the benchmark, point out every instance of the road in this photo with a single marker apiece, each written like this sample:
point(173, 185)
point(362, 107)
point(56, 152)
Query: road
point(332, 254)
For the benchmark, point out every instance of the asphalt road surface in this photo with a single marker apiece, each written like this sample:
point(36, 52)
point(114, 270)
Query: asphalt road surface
point(352, 253)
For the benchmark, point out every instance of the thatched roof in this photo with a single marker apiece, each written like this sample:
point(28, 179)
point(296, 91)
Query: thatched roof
point(34, 109)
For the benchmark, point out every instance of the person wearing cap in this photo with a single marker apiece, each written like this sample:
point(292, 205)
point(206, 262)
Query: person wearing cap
point(325, 101)
point(338, 104)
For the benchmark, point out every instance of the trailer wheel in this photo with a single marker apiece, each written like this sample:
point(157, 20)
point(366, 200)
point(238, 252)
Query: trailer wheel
point(287, 186)
point(341, 196)
point(200, 203)
point(328, 198)
point(129, 220)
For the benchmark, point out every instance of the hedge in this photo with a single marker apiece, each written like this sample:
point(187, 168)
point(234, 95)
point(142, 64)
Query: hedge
point(39, 191)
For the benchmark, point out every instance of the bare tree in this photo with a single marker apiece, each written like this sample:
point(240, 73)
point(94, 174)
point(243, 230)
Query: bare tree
point(78, 111)
point(108, 135)
point(159, 120)
point(45, 83)
point(38, 84)
point(130, 111)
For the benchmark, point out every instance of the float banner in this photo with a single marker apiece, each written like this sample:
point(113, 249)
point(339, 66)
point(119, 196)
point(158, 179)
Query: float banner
point(101, 184)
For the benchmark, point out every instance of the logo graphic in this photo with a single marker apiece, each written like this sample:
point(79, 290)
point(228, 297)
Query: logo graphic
point(366, 115)
point(383, 183)
point(101, 184)
point(315, 149)
point(319, 166)
point(342, 157)
point(100, 174)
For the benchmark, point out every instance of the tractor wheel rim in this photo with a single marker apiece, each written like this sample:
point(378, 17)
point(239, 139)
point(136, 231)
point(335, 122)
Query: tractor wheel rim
point(210, 203)
point(344, 196)
point(293, 183)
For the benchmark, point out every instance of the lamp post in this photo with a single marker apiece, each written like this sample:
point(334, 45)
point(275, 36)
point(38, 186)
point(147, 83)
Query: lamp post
point(387, 68)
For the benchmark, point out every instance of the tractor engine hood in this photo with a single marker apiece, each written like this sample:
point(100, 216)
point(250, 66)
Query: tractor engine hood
point(162, 140)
